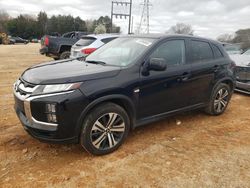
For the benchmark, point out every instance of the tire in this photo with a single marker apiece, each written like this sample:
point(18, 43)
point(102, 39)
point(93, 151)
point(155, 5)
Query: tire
point(219, 100)
point(104, 129)
point(65, 55)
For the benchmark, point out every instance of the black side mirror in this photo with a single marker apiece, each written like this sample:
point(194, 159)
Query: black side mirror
point(157, 64)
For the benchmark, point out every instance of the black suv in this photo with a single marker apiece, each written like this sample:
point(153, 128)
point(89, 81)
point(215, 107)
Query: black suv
point(127, 83)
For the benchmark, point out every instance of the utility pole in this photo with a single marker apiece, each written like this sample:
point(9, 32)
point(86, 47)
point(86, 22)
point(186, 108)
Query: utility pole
point(116, 4)
point(144, 23)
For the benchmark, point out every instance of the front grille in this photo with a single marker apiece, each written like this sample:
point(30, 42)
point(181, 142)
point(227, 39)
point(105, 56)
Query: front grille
point(243, 73)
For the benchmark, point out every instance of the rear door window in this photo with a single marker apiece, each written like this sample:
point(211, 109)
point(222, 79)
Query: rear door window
point(201, 51)
point(67, 35)
point(85, 41)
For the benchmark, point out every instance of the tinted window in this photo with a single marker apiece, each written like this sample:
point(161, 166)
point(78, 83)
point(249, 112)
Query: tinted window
point(85, 41)
point(201, 51)
point(67, 35)
point(107, 40)
point(217, 52)
point(172, 51)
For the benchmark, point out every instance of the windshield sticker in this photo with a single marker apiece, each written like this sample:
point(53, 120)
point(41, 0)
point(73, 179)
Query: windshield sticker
point(143, 42)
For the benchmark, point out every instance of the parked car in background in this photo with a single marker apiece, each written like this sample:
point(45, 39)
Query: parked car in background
point(59, 47)
point(242, 72)
point(88, 44)
point(11, 41)
point(131, 81)
point(34, 40)
point(19, 40)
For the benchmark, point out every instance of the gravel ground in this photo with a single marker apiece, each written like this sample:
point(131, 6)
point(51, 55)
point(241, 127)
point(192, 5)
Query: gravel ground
point(187, 150)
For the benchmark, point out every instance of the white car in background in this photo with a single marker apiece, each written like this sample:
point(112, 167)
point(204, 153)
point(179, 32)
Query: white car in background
point(242, 71)
point(88, 44)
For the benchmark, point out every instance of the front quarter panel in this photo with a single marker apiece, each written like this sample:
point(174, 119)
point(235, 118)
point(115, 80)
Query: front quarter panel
point(124, 84)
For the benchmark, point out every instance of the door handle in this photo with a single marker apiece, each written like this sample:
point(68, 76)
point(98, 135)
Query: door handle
point(184, 77)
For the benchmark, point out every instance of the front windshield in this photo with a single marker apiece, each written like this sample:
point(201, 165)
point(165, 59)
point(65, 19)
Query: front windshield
point(121, 51)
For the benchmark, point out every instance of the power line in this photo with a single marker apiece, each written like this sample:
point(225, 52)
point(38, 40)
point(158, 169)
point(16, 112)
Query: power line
point(121, 14)
point(144, 23)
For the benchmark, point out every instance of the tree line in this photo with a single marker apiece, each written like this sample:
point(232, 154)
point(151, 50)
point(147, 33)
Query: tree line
point(29, 26)
point(241, 36)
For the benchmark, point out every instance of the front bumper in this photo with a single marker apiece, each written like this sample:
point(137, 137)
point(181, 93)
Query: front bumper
point(44, 50)
point(69, 105)
point(41, 134)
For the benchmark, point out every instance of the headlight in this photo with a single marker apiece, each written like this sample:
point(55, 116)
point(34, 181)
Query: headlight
point(45, 89)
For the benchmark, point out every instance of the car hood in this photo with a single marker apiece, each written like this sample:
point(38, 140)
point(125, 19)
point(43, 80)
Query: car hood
point(241, 60)
point(67, 71)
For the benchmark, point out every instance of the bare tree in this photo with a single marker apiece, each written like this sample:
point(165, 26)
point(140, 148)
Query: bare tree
point(225, 38)
point(4, 17)
point(181, 28)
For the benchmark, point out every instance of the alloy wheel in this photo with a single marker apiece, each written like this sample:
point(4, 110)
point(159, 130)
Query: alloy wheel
point(221, 100)
point(107, 131)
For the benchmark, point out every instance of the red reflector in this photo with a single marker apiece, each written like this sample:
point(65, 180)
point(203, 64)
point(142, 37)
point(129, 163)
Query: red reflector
point(46, 41)
point(88, 50)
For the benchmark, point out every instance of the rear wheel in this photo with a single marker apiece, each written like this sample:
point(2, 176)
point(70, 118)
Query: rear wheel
point(56, 58)
point(65, 55)
point(105, 129)
point(219, 99)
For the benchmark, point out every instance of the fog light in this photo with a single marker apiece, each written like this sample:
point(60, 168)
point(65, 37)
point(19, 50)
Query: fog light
point(50, 108)
point(51, 118)
point(51, 113)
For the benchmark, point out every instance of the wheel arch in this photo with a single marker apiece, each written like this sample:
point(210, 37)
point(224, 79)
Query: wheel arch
point(64, 48)
point(121, 100)
point(227, 80)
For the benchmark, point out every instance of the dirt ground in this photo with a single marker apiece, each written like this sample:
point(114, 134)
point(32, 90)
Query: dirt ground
point(187, 150)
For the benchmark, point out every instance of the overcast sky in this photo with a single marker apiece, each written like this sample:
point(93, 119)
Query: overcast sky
point(208, 18)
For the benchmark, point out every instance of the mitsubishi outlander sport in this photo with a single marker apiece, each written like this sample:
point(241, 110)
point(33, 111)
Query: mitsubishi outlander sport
point(129, 82)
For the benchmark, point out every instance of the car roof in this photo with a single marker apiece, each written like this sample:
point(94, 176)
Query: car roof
point(163, 36)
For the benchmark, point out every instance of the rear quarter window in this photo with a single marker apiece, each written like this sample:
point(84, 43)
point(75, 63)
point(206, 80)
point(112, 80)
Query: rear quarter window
point(217, 52)
point(107, 40)
point(201, 51)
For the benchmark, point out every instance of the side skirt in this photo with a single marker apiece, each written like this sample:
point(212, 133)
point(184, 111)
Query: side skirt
point(164, 115)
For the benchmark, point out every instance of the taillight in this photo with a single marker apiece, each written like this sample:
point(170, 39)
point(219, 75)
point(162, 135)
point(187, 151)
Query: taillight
point(88, 51)
point(46, 41)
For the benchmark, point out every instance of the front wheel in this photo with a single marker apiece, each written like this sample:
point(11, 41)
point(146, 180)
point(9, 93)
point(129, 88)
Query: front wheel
point(105, 129)
point(219, 100)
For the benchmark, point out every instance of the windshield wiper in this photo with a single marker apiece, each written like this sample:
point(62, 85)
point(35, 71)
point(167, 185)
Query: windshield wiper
point(96, 62)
